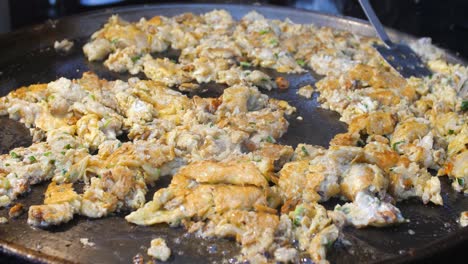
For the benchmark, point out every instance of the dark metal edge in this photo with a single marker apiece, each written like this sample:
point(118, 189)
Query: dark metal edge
point(30, 255)
point(431, 249)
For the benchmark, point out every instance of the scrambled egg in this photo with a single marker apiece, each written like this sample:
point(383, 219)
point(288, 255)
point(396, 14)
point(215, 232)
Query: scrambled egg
point(159, 249)
point(229, 177)
point(167, 129)
point(464, 219)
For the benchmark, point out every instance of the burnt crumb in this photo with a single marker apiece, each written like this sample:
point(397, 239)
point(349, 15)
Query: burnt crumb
point(16, 210)
point(138, 259)
point(282, 83)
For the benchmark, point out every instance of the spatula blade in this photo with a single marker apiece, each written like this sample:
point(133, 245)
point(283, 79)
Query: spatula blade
point(404, 60)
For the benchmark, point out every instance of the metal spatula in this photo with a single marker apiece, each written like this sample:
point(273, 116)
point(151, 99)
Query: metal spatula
point(401, 57)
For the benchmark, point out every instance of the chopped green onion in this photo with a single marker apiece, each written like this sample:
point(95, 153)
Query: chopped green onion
point(32, 159)
point(6, 183)
point(175, 223)
point(270, 139)
point(461, 181)
point(299, 210)
point(47, 154)
point(274, 42)
point(276, 55)
point(345, 210)
point(136, 58)
point(361, 143)
point(62, 152)
point(301, 63)
point(464, 105)
point(395, 145)
point(304, 150)
point(106, 124)
point(92, 97)
point(114, 41)
point(157, 171)
point(450, 132)
point(245, 64)
point(297, 221)
point(68, 146)
point(64, 171)
point(264, 31)
point(330, 244)
point(298, 215)
point(119, 145)
point(7, 164)
point(264, 79)
point(14, 155)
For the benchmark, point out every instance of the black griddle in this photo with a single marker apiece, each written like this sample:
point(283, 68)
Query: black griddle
point(27, 57)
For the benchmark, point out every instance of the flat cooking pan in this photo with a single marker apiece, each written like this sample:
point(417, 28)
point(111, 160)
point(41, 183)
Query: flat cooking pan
point(27, 57)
